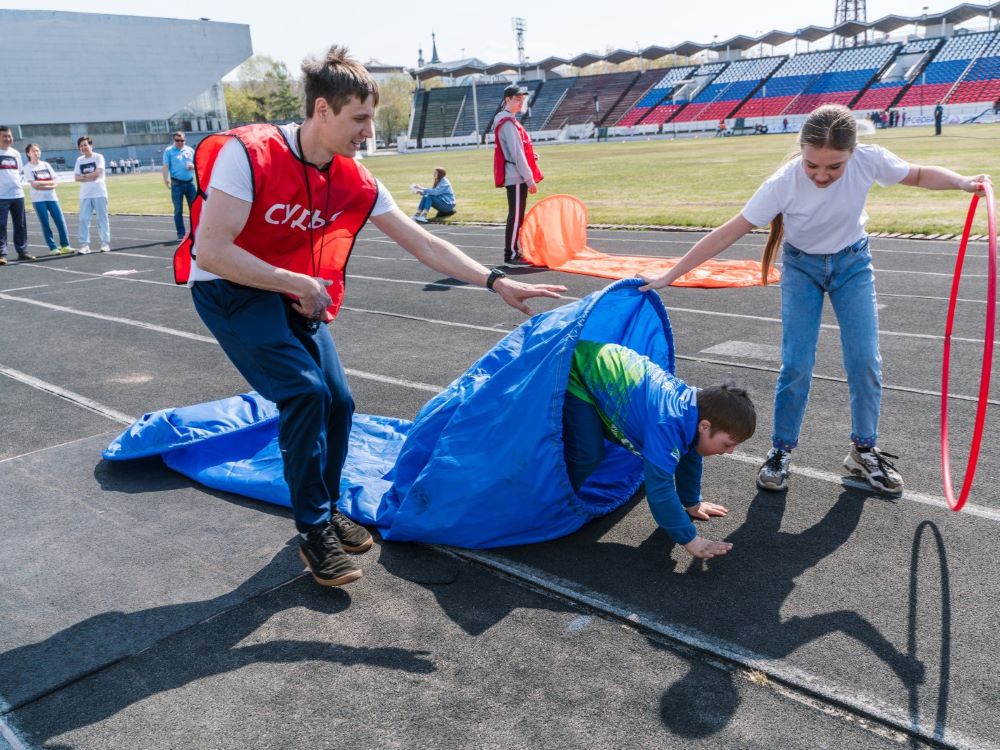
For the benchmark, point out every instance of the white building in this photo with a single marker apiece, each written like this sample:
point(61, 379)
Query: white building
point(126, 81)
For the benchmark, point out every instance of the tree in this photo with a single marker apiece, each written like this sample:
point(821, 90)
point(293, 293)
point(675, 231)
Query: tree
point(395, 96)
point(263, 90)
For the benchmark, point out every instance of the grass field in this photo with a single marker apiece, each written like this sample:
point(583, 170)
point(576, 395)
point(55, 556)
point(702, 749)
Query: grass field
point(698, 182)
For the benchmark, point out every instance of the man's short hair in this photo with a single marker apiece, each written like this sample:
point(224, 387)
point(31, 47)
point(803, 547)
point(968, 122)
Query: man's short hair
point(336, 78)
point(84, 139)
point(728, 408)
point(6, 129)
point(178, 133)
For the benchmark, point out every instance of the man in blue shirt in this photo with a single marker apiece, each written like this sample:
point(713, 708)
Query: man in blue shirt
point(617, 394)
point(178, 175)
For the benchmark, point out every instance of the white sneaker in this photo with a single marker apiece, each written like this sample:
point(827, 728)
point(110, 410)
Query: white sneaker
point(875, 468)
point(773, 473)
point(84, 249)
point(420, 218)
point(105, 248)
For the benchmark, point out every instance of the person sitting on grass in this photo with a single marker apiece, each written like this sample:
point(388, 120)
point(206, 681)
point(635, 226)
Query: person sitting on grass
point(441, 197)
point(618, 394)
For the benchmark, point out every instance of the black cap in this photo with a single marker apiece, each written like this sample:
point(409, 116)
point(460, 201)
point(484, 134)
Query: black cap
point(514, 90)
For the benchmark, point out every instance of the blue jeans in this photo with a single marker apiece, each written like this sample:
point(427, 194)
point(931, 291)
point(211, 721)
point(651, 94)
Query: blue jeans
point(297, 367)
point(178, 192)
point(848, 278)
point(15, 207)
point(44, 209)
point(434, 201)
point(89, 207)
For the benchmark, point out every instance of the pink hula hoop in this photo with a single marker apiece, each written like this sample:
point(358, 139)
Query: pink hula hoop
point(984, 378)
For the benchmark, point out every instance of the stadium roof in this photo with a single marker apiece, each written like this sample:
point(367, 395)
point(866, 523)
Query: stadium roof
point(846, 30)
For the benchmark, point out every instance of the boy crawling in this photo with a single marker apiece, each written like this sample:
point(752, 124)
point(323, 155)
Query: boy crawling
point(615, 392)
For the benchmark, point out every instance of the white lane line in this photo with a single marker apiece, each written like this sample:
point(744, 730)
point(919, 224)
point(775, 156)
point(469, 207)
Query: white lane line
point(67, 395)
point(43, 450)
point(937, 501)
point(704, 643)
point(95, 275)
point(8, 733)
point(111, 318)
point(418, 319)
point(435, 389)
point(26, 288)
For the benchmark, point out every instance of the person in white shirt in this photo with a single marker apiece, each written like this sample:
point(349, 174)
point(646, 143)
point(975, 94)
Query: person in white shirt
point(42, 178)
point(816, 203)
point(12, 198)
point(89, 172)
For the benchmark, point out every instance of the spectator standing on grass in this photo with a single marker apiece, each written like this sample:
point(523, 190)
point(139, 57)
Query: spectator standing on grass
point(89, 172)
point(41, 177)
point(515, 167)
point(938, 118)
point(178, 175)
point(12, 198)
point(440, 196)
point(113, 166)
point(816, 203)
point(284, 206)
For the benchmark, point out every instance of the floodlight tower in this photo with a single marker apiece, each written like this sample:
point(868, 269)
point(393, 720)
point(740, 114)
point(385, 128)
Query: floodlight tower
point(849, 10)
point(519, 25)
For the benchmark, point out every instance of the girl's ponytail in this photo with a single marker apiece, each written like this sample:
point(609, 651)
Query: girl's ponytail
point(774, 237)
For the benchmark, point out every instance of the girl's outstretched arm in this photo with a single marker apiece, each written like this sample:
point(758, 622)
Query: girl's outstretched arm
point(941, 178)
point(706, 248)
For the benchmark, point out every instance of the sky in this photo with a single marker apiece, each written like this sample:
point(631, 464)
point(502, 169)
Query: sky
point(391, 31)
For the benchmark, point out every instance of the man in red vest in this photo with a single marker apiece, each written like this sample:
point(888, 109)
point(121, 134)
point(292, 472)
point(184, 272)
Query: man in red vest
point(278, 212)
point(515, 167)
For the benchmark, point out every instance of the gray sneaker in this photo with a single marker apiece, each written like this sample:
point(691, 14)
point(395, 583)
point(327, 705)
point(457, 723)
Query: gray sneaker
point(876, 469)
point(773, 473)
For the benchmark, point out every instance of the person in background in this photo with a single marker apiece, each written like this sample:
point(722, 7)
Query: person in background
point(41, 177)
point(440, 196)
point(89, 172)
point(515, 167)
point(178, 175)
point(12, 198)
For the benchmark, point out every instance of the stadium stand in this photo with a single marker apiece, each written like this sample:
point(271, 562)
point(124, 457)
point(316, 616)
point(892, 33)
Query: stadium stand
point(981, 82)
point(906, 66)
point(591, 98)
point(948, 67)
point(488, 100)
point(690, 96)
point(786, 84)
point(656, 96)
point(851, 73)
point(549, 96)
point(441, 110)
point(638, 88)
point(730, 89)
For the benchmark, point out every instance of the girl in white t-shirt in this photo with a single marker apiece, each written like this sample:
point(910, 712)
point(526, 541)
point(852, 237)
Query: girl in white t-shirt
point(816, 203)
point(42, 178)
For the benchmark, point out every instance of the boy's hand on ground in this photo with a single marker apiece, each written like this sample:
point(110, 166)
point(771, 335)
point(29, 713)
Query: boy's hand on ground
point(706, 549)
point(703, 511)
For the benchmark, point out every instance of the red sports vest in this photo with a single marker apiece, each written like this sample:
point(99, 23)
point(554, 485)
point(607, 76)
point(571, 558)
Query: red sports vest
point(307, 228)
point(499, 159)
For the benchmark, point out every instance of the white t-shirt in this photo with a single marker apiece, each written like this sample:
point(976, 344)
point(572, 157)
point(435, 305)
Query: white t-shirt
point(88, 165)
point(41, 171)
point(824, 220)
point(10, 174)
point(232, 175)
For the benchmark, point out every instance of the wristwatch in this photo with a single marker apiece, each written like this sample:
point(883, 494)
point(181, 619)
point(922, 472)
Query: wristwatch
point(495, 273)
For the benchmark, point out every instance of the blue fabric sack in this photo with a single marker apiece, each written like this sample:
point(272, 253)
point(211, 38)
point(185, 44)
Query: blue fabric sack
point(481, 466)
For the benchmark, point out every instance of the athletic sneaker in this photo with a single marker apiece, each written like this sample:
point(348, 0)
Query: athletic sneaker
point(420, 218)
point(55, 251)
point(353, 537)
point(875, 468)
point(773, 473)
point(66, 250)
point(3, 260)
point(322, 553)
point(83, 249)
point(517, 260)
point(25, 256)
point(105, 248)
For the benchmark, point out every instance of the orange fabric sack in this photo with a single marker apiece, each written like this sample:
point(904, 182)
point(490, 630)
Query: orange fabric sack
point(554, 235)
